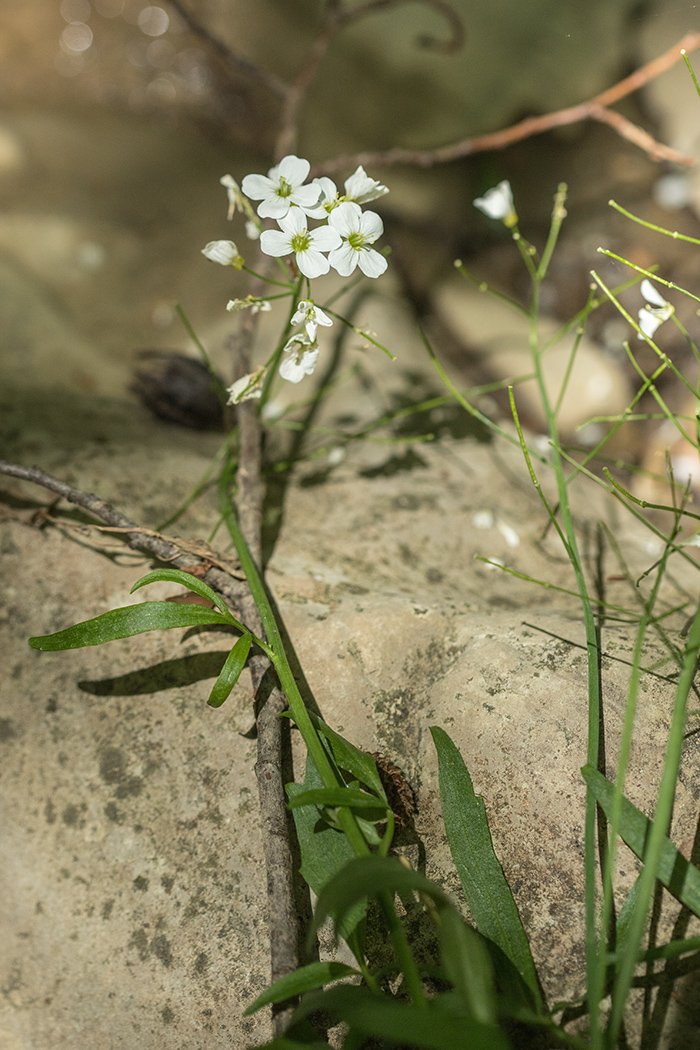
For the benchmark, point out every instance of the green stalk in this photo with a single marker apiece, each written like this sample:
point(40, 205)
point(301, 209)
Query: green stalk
point(595, 972)
point(311, 738)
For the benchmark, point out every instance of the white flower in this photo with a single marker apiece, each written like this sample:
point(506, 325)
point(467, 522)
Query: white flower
point(497, 203)
point(247, 387)
point(223, 252)
point(281, 188)
point(328, 198)
point(358, 188)
point(359, 229)
point(252, 231)
point(654, 313)
point(361, 189)
point(303, 355)
point(312, 316)
point(307, 245)
point(234, 194)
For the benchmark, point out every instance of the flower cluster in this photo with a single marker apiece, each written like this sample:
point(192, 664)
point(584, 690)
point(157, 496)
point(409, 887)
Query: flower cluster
point(343, 240)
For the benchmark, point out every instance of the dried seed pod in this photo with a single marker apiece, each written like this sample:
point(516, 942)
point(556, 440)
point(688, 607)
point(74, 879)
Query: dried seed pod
point(180, 389)
point(399, 792)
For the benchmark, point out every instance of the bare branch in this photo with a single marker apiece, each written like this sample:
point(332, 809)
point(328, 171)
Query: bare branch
point(165, 548)
point(235, 62)
point(595, 109)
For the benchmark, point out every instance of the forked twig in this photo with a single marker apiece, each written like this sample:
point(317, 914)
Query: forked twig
point(595, 109)
point(183, 554)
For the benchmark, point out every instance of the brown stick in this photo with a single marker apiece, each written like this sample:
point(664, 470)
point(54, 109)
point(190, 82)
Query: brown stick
point(595, 109)
point(236, 62)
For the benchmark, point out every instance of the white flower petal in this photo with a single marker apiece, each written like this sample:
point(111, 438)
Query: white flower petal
point(292, 168)
point(305, 197)
point(652, 294)
point(344, 259)
point(346, 218)
point(258, 186)
point(328, 193)
point(648, 322)
point(322, 318)
point(222, 252)
point(497, 203)
point(275, 242)
point(293, 222)
point(361, 188)
point(247, 387)
point(324, 238)
point(311, 263)
point(371, 225)
point(372, 263)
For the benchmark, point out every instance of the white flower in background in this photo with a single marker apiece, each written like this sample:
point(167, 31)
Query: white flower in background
point(223, 252)
point(656, 311)
point(312, 316)
point(361, 189)
point(233, 190)
point(307, 245)
point(359, 230)
point(281, 188)
point(252, 231)
point(302, 355)
point(247, 387)
point(497, 203)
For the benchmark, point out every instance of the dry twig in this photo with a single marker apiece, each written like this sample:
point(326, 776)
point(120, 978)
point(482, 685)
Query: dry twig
point(595, 109)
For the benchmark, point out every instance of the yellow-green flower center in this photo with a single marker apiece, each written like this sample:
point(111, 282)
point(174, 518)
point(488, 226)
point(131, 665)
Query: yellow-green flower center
point(357, 241)
point(301, 242)
point(284, 189)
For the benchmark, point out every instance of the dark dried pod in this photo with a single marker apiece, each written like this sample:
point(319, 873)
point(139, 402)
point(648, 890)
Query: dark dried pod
point(180, 389)
point(399, 792)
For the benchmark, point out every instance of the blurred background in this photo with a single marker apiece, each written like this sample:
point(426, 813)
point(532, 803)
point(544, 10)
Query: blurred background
point(119, 117)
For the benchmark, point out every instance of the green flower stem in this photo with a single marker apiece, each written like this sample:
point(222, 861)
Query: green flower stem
point(267, 280)
point(595, 971)
point(278, 656)
point(275, 359)
point(311, 738)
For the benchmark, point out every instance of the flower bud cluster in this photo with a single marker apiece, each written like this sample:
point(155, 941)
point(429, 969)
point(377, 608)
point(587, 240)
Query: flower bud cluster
point(342, 239)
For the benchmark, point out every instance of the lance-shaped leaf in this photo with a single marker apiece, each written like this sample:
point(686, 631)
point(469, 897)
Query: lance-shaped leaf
point(350, 797)
point(305, 979)
point(231, 671)
point(126, 622)
point(678, 875)
point(485, 887)
point(350, 758)
point(193, 583)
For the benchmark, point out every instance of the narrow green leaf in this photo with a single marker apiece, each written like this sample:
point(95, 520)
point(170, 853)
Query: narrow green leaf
point(366, 877)
point(678, 875)
point(468, 966)
point(350, 758)
point(402, 1024)
point(126, 622)
point(193, 583)
point(231, 671)
point(337, 797)
point(305, 979)
point(324, 850)
point(485, 887)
